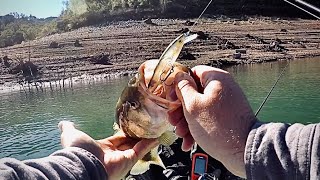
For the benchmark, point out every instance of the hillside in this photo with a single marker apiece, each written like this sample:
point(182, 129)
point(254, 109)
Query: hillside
point(122, 46)
point(16, 28)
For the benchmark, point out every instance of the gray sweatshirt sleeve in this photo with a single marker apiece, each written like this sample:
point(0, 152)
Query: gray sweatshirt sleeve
point(68, 163)
point(283, 151)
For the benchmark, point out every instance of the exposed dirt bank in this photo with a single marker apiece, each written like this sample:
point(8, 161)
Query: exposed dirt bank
point(122, 46)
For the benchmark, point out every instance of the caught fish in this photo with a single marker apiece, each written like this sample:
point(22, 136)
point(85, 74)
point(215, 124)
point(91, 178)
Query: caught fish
point(141, 111)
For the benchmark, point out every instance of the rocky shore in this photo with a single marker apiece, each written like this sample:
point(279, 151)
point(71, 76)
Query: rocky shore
point(118, 48)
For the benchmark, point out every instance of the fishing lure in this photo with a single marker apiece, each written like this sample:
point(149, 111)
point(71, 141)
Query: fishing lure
point(165, 65)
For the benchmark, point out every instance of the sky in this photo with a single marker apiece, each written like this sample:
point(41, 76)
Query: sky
point(38, 8)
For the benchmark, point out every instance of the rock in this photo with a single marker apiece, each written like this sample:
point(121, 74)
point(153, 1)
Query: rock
point(77, 44)
point(54, 44)
point(283, 30)
point(279, 41)
point(257, 39)
point(189, 23)
point(183, 30)
point(236, 55)
point(149, 21)
point(6, 62)
point(222, 63)
point(187, 56)
point(101, 59)
point(230, 45)
point(242, 51)
point(275, 46)
point(249, 36)
point(202, 35)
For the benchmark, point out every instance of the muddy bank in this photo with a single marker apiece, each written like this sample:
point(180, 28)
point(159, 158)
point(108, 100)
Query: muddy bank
point(120, 47)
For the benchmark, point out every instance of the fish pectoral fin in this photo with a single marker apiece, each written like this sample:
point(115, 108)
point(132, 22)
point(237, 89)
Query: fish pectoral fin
point(116, 127)
point(143, 165)
point(168, 138)
point(140, 167)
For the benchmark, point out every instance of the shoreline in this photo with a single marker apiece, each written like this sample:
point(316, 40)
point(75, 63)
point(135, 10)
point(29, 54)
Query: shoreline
point(119, 48)
point(61, 84)
point(87, 79)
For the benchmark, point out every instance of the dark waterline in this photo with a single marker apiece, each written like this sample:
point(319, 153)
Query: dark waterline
point(28, 121)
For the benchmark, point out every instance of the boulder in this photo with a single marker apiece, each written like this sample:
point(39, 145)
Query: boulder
point(185, 55)
point(6, 62)
point(101, 59)
point(149, 21)
point(189, 23)
point(77, 43)
point(203, 36)
point(54, 44)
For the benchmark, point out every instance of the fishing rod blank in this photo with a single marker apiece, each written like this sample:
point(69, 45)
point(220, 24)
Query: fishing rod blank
point(268, 95)
point(310, 7)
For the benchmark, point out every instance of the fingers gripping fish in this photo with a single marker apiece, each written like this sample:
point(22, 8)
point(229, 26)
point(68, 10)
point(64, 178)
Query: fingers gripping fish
point(141, 111)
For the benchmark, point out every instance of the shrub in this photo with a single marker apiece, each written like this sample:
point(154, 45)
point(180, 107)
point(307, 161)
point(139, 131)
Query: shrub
point(18, 28)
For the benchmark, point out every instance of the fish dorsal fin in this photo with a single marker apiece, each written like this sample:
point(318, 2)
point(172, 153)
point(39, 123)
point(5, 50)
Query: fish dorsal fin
point(143, 165)
point(168, 138)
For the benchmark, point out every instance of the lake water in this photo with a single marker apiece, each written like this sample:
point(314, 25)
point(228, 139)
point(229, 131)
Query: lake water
point(28, 121)
point(296, 98)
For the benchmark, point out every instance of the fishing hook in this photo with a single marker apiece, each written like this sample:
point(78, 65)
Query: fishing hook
point(169, 73)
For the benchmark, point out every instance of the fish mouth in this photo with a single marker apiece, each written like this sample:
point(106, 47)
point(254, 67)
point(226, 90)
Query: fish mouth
point(162, 102)
point(156, 96)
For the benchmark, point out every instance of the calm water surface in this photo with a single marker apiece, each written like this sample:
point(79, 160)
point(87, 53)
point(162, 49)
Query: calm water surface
point(28, 121)
point(296, 98)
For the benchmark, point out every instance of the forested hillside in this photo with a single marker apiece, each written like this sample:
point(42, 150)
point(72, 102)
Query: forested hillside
point(15, 28)
point(84, 12)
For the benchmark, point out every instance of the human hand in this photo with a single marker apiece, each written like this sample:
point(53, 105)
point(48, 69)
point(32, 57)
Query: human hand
point(216, 114)
point(117, 153)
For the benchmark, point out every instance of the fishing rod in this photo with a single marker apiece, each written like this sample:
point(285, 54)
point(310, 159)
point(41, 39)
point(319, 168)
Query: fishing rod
point(301, 2)
point(307, 5)
point(276, 82)
point(204, 10)
point(269, 93)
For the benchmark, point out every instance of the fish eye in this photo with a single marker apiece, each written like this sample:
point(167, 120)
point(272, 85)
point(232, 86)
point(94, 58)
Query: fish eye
point(134, 104)
point(132, 81)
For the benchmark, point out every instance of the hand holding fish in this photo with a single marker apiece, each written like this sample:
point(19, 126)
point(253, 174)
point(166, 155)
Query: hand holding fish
point(218, 118)
point(141, 111)
point(118, 153)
